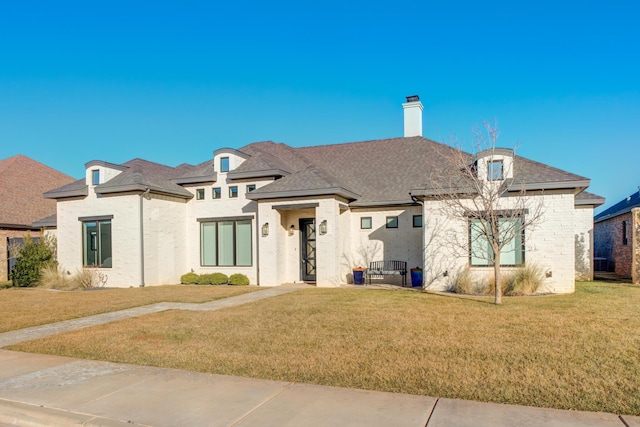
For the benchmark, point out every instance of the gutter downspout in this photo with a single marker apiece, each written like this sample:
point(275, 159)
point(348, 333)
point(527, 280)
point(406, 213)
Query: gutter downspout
point(258, 234)
point(144, 195)
point(424, 261)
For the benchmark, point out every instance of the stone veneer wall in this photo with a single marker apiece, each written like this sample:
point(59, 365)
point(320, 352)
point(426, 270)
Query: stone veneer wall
point(636, 245)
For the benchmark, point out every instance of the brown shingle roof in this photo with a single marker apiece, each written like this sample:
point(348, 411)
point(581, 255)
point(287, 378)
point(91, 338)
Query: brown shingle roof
point(188, 174)
point(374, 172)
point(22, 183)
point(378, 171)
point(141, 174)
point(385, 171)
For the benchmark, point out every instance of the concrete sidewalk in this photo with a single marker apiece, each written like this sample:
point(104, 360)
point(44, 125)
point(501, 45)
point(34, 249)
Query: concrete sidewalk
point(40, 390)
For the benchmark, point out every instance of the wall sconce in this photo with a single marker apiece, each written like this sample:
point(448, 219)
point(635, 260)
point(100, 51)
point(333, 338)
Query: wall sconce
point(323, 227)
point(265, 229)
point(291, 230)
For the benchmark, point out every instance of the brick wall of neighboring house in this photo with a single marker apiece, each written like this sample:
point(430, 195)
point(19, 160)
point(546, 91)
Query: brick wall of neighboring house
point(610, 244)
point(635, 213)
point(4, 261)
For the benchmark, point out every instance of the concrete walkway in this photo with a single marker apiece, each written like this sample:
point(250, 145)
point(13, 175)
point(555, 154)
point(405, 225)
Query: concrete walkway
point(40, 390)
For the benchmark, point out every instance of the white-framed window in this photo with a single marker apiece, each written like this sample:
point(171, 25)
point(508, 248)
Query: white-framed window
point(365, 223)
point(226, 243)
point(224, 164)
point(216, 193)
point(495, 170)
point(96, 243)
point(480, 251)
point(233, 192)
point(200, 194)
point(95, 177)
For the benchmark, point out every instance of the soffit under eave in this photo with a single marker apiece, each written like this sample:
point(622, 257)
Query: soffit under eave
point(341, 192)
point(66, 194)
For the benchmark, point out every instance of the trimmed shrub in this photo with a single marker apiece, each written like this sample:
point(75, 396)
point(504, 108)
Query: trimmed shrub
point(204, 279)
point(189, 278)
point(238, 280)
point(219, 279)
point(32, 257)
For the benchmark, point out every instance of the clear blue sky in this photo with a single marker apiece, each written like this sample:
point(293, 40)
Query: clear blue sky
point(173, 81)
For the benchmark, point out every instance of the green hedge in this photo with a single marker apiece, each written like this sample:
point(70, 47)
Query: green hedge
point(214, 279)
point(238, 280)
point(189, 278)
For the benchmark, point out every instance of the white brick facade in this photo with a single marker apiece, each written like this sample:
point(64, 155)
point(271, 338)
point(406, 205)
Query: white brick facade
point(560, 242)
point(549, 244)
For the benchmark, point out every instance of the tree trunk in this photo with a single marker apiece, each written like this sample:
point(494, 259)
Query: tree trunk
point(498, 290)
point(497, 277)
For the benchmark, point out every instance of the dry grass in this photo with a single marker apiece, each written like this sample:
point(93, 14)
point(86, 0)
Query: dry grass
point(24, 307)
point(578, 351)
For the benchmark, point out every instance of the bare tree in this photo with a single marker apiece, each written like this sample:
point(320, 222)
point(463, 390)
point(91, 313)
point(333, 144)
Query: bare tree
point(484, 192)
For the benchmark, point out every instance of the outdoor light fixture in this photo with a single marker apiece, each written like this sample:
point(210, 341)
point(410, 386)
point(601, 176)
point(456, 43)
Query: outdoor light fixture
point(323, 227)
point(291, 230)
point(265, 229)
point(413, 98)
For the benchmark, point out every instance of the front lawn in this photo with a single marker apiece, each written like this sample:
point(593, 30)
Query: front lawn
point(24, 307)
point(579, 351)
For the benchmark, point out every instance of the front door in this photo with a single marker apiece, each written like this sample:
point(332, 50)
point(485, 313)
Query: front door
point(308, 249)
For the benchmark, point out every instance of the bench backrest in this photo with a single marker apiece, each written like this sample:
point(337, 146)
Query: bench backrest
point(388, 265)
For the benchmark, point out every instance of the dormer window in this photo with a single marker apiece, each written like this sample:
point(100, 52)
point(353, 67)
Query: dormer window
point(495, 170)
point(95, 177)
point(224, 164)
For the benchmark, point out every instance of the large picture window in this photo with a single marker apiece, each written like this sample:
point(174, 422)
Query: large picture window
point(226, 243)
point(96, 243)
point(481, 253)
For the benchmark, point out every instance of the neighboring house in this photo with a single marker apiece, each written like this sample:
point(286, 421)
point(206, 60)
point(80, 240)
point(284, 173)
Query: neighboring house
point(22, 183)
point(617, 238)
point(281, 214)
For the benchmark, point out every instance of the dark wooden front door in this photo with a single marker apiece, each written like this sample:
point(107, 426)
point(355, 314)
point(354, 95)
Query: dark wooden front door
point(308, 249)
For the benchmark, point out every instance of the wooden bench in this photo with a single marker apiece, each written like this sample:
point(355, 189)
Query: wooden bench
point(388, 268)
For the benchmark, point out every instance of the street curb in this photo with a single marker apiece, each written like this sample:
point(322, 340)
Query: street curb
point(22, 414)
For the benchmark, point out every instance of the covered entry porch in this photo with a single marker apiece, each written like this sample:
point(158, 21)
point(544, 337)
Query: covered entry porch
point(299, 242)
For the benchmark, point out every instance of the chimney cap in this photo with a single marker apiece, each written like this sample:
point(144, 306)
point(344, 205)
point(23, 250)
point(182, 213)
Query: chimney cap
point(413, 98)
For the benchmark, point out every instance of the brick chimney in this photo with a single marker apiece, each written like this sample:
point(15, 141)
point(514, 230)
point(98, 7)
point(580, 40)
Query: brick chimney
point(412, 116)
